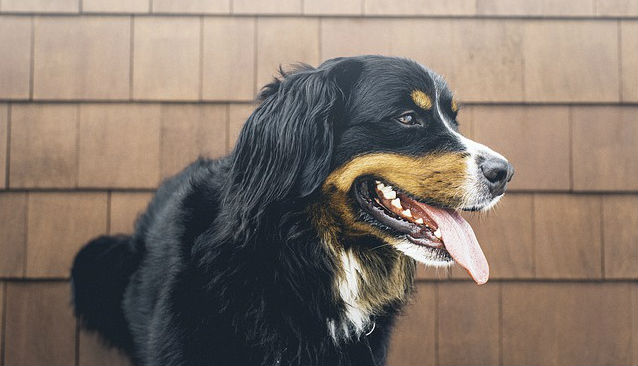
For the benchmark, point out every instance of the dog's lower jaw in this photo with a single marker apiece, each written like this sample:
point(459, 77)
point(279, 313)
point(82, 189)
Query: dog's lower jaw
point(424, 255)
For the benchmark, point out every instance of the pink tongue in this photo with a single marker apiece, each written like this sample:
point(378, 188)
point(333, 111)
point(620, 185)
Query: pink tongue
point(460, 242)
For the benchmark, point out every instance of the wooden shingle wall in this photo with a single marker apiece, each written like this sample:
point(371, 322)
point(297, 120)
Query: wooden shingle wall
point(101, 99)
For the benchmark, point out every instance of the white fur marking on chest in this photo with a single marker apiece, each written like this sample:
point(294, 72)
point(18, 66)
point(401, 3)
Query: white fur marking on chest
point(356, 318)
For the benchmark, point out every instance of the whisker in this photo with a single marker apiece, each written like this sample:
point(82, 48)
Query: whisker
point(382, 245)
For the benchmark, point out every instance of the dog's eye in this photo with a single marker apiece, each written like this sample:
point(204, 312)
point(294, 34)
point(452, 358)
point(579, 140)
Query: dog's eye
point(407, 119)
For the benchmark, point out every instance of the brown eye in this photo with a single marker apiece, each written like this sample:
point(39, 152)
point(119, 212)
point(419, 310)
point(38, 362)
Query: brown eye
point(407, 119)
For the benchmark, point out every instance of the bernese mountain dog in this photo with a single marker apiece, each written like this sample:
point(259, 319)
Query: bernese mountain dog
point(300, 246)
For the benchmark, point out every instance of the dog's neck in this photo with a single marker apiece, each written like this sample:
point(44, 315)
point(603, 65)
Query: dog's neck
point(356, 316)
point(370, 277)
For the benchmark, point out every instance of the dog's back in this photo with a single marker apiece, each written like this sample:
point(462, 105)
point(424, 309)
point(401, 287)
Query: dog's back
point(117, 280)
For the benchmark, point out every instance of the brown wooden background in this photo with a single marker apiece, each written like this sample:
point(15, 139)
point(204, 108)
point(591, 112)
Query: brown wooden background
point(100, 99)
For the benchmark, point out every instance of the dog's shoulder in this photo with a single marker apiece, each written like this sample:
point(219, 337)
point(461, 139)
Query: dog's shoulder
point(185, 204)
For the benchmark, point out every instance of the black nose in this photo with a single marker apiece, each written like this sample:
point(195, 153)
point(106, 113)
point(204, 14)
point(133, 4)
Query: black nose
point(497, 172)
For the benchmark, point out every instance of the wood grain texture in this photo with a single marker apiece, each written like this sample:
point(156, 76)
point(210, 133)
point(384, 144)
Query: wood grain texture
point(616, 8)
point(605, 148)
point(125, 208)
point(536, 140)
point(507, 238)
point(40, 327)
point(629, 60)
point(229, 44)
point(479, 43)
point(4, 140)
point(237, 115)
point(413, 338)
point(166, 62)
point(567, 230)
point(191, 6)
point(115, 6)
point(465, 119)
point(563, 8)
point(40, 6)
point(355, 36)
point(2, 289)
point(119, 145)
point(620, 236)
point(468, 324)
point(570, 61)
point(267, 7)
point(189, 132)
point(58, 225)
point(285, 41)
point(570, 323)
point(333, 7)
point(476, 43)
point(43, 146)
point(420, 7)
point(13, 226)
point(81, 58)
point(111, 100)
point(15, 47)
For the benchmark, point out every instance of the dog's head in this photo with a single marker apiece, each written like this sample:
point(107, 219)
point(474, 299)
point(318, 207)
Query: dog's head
point(373, 141)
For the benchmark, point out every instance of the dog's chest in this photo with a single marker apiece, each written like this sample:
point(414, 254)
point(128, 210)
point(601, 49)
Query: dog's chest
point(357, 317)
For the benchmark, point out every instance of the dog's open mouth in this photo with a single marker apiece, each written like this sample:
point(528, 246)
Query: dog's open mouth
point(441, 230)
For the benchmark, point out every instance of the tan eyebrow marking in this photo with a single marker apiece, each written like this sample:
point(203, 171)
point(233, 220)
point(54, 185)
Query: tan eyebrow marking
point(455, 106)
point(421, 99)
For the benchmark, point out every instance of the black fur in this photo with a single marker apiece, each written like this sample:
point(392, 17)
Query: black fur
point(225, 266)
point(101, 272)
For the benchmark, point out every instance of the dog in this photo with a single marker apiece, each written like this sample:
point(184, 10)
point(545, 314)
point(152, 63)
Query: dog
point(300, 246)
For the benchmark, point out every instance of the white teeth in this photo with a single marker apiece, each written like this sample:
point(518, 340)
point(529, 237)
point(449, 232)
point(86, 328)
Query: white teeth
point(397, 203)
point(389, 194)
point(437, 233)
point(419, 221)
point(407, 213)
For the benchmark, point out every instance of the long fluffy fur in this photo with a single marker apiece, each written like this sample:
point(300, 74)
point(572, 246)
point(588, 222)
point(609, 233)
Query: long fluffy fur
point(225, 266)
point(262, 256)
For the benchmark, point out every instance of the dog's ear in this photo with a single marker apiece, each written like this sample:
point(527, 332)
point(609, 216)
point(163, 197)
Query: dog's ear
point(340, 76)
point(345, 72)
point(285, 147)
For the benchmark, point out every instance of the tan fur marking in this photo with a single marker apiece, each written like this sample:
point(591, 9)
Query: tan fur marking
point(421, 99)
point(439, 177)
point(381, 287)
point(388, 274)
point(455, 106)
